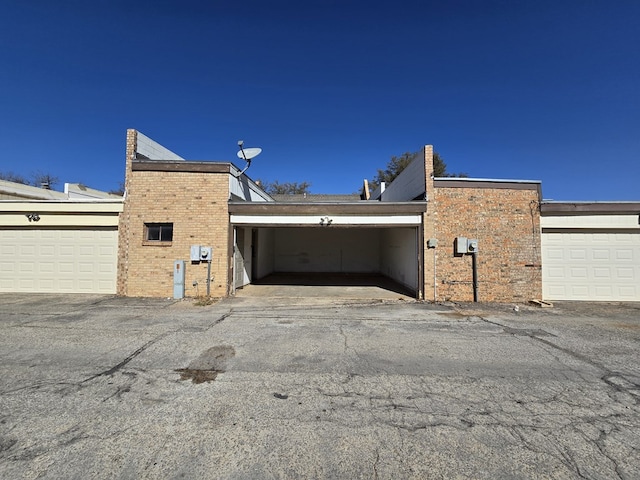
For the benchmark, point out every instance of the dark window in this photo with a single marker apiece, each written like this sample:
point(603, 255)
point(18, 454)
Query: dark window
point(159, 232)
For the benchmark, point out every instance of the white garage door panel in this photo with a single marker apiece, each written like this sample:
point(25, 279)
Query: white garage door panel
point(591, 266)
point(58, 261)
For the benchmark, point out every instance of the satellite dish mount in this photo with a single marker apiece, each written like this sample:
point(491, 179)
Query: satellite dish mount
point(247, 154)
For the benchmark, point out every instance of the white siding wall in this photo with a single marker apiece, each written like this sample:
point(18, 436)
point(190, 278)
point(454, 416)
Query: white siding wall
point(409, 184)
point(153, 150)
point(245, 189)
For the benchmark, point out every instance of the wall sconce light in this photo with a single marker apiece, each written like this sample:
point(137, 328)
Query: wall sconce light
point(326, 221)
point(33, 217)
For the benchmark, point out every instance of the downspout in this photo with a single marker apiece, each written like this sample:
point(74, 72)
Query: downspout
point(234, 249)
point(435, 259)
point(474, 263)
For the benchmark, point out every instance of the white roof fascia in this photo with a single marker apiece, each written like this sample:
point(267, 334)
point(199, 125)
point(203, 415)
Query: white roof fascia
point(492, 180)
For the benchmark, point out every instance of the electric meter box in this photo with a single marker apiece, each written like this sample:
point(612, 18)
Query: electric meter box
point(205, 254)
point(461, 245)
point(472, 245)
point(195, 253)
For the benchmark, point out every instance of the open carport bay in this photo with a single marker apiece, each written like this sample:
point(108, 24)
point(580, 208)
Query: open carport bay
point(392, 252)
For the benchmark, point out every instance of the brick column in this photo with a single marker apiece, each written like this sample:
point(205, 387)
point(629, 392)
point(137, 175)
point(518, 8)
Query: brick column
point(125, 216)
point(429, 228)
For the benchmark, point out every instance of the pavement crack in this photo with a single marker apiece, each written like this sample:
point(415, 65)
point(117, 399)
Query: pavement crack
point(376, 461)
point(600, 444)
point(344, 338)
point(137, 352)
point(220, 320)
point(133, 355)
point(614, 380)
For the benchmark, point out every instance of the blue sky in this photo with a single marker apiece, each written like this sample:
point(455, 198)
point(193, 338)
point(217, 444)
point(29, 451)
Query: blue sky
point(330, 90)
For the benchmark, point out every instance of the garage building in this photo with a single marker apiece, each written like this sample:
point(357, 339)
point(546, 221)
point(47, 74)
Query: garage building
point(58, 242)
point(591, 251)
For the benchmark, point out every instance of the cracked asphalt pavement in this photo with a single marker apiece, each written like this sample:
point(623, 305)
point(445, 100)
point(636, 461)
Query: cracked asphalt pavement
point(107, 387)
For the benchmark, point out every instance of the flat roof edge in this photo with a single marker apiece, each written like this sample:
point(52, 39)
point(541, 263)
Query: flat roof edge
point(180, 166)
point(586, 208)
point(457, 182)
point(490, 180)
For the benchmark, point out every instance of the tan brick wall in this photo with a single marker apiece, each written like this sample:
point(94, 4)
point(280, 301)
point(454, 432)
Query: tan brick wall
point(506, 223)
point(196, 204)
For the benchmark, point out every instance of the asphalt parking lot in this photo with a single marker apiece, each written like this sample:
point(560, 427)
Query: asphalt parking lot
point(107, 387)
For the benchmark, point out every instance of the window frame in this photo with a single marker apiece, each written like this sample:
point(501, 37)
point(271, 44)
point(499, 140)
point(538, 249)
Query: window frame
point(164, 229)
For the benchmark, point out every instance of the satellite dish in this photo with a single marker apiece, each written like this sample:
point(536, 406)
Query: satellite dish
point(249, 153)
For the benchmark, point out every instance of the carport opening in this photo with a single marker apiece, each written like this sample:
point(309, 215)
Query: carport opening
point(386, 258)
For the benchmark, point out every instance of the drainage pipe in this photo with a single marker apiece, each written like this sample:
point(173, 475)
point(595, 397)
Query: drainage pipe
point(474, 263)
point(435, 278)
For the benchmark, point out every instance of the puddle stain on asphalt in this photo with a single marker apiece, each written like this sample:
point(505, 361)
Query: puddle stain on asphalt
point(208, 365)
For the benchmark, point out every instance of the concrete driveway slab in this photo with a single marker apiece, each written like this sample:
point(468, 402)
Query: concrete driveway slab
point(259, 387)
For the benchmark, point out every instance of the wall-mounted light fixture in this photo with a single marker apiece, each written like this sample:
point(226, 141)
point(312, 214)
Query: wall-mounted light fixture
point(33, 217)
point(326, 221)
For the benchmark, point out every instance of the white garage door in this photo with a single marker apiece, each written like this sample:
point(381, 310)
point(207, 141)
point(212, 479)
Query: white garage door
point(58, 261)
point(591, 266)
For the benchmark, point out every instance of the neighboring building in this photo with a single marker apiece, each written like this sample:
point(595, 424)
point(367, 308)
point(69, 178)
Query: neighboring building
point(591, 251)
point(410, 231)
point(58, 242)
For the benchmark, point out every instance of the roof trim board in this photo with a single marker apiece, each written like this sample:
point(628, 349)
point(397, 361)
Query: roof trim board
point(179, 166)
point(346, 208)
point(589, 208)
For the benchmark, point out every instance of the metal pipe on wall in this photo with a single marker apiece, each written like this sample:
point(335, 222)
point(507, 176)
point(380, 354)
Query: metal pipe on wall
point(474, 263)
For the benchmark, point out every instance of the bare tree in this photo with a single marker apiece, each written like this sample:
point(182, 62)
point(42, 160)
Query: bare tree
point(44, 180)
point(286, 188)
point(119, 190)
point(13, 177)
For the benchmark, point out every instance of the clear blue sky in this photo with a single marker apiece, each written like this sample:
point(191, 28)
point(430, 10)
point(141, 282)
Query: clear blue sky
point(542, 90)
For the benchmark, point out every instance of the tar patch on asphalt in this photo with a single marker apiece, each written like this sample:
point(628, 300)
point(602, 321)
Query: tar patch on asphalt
point(207, 366)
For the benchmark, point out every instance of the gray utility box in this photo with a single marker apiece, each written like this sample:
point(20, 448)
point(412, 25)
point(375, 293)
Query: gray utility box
point(199, 253)
point(464, 245)
point(461, 245)
point(178, 279)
